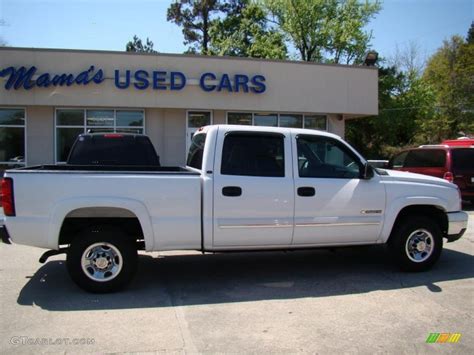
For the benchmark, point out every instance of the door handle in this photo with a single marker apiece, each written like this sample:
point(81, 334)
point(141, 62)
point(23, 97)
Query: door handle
point(231, 191)
point(306, 191)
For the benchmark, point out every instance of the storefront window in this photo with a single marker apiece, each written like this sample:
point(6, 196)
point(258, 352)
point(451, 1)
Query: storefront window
point(315, 122)
point(12, 138)
point(70, 118)
point(293, 121)
point(197, 119)
point(72, 122)
point(100, 118)
point(263, 119)
point(240, 118)
point(129, 118)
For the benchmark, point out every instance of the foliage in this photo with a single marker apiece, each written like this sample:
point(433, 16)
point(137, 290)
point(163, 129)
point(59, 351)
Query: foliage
point(450, 71)
point(425, 109)
point(244, 32)
point(325, 29)
point(470, 34)
point(404, 102)
point(408, 58)
point(195, 17)
point(136, 45)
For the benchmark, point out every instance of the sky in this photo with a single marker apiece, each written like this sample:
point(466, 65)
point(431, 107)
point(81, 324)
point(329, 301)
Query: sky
point(110, 24)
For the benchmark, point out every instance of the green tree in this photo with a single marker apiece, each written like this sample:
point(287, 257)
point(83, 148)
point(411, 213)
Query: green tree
point(470, 34)
point(450, 72)
point(405, 101)
point(244, 32)
point(136, 45)
point(347, 40)
point(325, 29)
point(195, 18)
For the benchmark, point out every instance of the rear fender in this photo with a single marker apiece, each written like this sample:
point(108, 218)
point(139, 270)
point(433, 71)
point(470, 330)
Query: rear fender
point(64, 207)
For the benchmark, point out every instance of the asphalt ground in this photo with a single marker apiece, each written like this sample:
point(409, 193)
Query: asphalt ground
point(351, 300)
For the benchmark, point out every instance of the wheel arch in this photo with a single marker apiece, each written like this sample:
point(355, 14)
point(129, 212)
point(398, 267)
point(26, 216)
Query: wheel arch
point(104, 210)
point(433, 212)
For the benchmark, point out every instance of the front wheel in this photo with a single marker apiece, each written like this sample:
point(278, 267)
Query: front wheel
point(101, 260)
point(416, 243)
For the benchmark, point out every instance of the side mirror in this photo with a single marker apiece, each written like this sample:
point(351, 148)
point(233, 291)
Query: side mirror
point(368, 172)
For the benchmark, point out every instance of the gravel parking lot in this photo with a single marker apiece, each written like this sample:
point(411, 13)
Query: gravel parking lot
point(349, 300)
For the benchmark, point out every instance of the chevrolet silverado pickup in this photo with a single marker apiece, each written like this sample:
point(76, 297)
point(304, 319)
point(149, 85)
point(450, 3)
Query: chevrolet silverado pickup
point(244, 188)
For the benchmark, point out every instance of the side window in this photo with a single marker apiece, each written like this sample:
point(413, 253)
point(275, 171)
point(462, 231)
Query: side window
point(196, 150)
point(324, 157)
point(426, 158)
point(399, 160)
point(250, 154)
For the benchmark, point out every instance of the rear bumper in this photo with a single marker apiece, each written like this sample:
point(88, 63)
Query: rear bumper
point(457, 224)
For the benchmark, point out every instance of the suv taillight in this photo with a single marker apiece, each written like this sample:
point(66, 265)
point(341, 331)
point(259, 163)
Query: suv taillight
point(8, 203)
point(448, 176)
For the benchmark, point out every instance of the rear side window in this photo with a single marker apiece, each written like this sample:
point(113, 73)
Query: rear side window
point(425, 158)
point(463, 159)
point(196, 151)
point(113, 150)
point(250, 154)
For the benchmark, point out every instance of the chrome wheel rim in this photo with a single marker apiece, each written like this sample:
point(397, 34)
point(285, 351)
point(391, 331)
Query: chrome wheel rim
point(419, 245)
point(101, 262)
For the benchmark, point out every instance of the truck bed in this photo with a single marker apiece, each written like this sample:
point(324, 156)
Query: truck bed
point(49, 194)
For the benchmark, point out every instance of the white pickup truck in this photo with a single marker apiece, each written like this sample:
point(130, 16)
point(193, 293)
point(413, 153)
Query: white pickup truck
point(244, 188)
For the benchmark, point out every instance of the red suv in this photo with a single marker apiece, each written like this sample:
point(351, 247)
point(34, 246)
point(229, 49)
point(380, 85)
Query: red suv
point(453, 163)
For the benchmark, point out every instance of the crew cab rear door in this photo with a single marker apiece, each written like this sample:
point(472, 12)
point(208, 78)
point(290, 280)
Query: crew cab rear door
point(333, 204)
point(253, 189)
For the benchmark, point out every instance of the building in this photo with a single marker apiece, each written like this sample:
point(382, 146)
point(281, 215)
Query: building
point(49, 96)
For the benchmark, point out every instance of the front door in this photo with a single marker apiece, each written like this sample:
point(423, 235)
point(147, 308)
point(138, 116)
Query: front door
point(195, 120)
point(253, 190)
point(333, 205)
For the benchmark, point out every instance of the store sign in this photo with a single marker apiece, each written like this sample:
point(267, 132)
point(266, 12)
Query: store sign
point(27, 78)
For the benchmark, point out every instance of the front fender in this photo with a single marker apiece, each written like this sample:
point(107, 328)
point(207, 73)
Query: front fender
point(64, 207)
point(394, 207)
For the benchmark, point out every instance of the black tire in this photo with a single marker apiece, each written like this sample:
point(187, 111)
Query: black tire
point(118, 251)
point(405, 252)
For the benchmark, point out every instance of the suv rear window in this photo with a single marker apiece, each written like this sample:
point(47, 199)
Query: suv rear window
point(425, 158)
point(463, 159)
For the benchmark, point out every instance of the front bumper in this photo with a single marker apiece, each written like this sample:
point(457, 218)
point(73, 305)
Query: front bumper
point(457, 225)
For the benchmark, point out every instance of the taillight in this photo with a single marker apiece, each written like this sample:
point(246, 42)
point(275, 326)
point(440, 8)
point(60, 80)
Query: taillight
point(8, 203)
point(448, 176)
point(113, 135)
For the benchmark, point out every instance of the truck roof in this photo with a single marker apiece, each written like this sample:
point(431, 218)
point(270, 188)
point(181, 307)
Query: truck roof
point(283, 130)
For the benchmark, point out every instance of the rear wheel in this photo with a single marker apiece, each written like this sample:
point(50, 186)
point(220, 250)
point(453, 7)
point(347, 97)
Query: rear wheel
point(416, 243)
point(102, 260)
